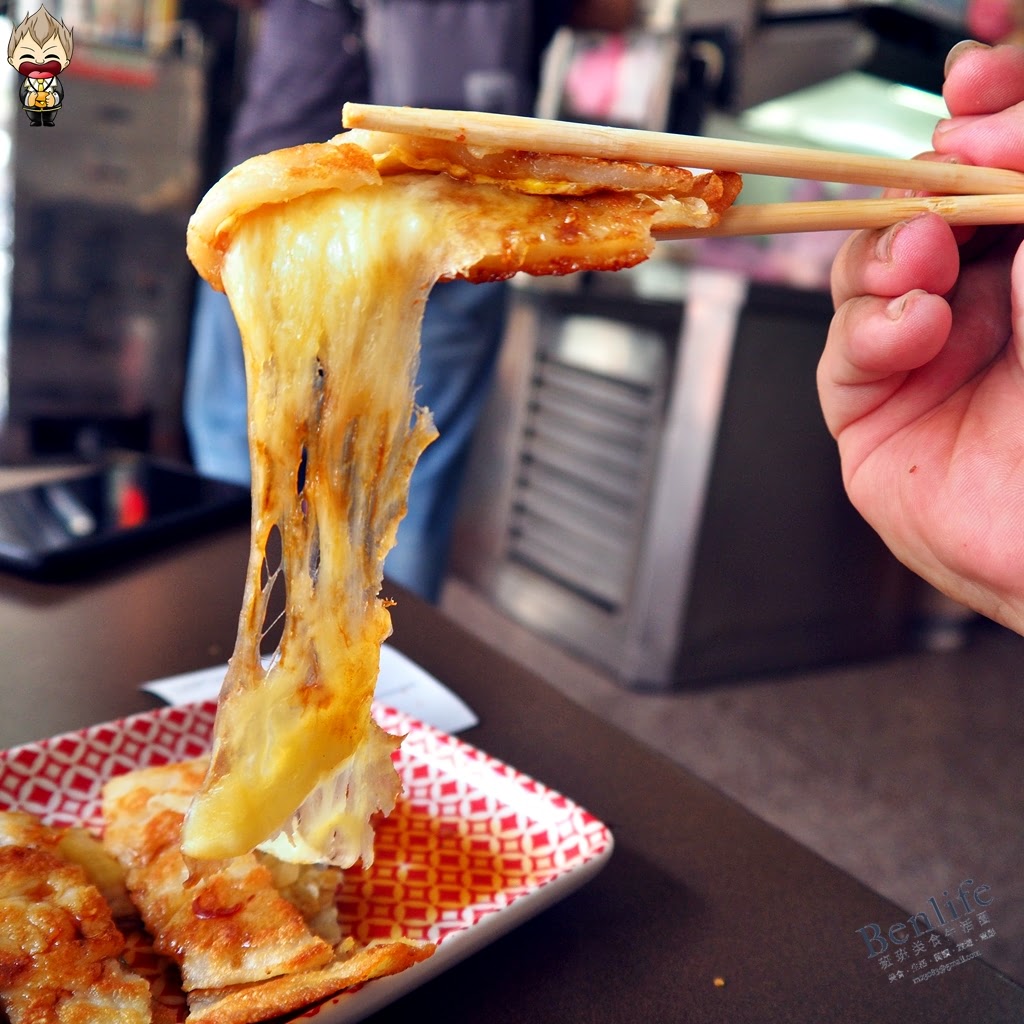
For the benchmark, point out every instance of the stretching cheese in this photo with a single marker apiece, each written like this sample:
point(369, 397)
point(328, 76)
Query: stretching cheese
point(327, 253)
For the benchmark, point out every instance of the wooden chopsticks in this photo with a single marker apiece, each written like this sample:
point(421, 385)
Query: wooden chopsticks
point(544, 136)
point(947, 180)
point(848, 215)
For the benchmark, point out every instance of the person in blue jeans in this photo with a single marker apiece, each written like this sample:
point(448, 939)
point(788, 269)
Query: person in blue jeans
point(462, 329)
point(309, 58)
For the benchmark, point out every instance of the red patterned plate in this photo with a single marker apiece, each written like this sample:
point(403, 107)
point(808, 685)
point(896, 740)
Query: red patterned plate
point(473, 849)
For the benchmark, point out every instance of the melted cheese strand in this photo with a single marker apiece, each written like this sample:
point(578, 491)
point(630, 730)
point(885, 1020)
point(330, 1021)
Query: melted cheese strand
point(328, 265)
point(331, 370)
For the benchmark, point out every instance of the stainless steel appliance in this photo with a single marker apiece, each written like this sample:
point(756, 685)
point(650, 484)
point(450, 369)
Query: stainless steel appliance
point(654, 487)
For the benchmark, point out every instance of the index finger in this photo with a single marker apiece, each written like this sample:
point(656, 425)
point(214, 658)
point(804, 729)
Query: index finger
point(917, 254)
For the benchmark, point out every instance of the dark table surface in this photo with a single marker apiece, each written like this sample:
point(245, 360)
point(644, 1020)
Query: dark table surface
point(698, 888)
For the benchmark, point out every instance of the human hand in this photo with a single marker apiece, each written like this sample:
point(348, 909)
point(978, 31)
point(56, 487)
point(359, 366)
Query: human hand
point(993, 21)
point(922, 376)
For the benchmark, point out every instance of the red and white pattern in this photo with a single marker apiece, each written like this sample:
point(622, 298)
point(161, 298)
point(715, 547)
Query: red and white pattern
point(469, 837)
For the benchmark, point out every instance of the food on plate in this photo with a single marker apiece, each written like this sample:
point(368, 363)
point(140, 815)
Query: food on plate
point(252, 939)
point(60, 948)
point(83, 848)
point(327, 253)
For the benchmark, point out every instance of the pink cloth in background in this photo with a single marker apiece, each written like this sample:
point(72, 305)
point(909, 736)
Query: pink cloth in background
point(591, 84)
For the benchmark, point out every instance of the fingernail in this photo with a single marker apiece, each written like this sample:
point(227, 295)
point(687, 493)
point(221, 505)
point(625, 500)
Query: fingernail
point(894, 310)
point(964, 46)
point(883, 247)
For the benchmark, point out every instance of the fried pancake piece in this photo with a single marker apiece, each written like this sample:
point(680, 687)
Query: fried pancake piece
point(225, 927)
point(521, 170)
point(606, 192)
point(59, 946)
point(275, 178)
point(253, 938)
point(244, 1004)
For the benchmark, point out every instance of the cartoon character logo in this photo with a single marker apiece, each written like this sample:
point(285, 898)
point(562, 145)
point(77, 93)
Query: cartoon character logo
point(39, 50)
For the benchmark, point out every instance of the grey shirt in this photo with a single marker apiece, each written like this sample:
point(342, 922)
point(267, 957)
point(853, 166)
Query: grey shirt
point(307, 61)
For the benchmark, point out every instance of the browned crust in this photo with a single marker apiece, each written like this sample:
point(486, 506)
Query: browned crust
point(66, 944)
point(593, 191)
point(271, 178)
point(522, 170)
point(247, 1004)
point(211, 927)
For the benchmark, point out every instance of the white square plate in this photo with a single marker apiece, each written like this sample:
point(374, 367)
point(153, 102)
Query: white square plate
point(473, 849)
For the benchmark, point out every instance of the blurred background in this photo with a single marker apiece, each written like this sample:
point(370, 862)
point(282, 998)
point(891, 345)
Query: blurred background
point(96, 290)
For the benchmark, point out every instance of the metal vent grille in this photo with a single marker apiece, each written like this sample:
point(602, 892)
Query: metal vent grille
point(594, 414)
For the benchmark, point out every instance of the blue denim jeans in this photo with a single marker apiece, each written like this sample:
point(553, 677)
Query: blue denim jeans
point(462, 330)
